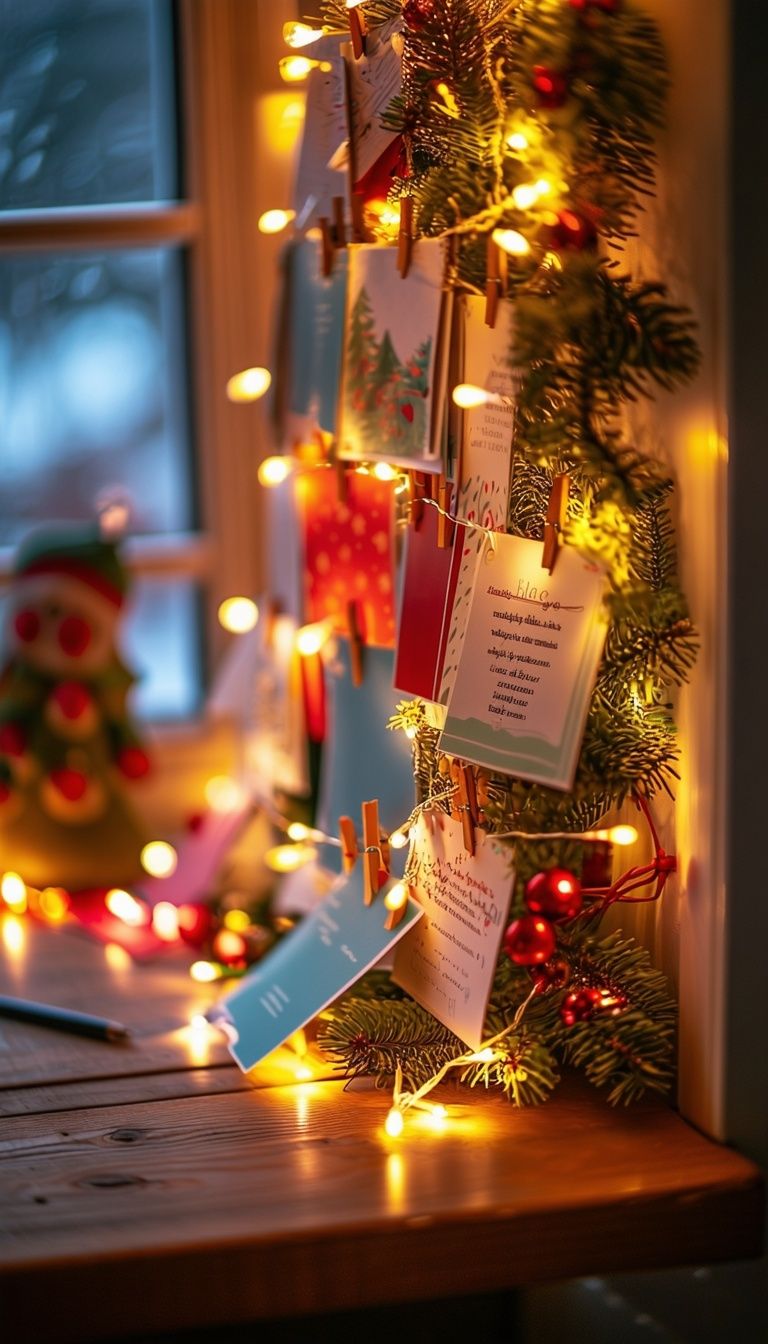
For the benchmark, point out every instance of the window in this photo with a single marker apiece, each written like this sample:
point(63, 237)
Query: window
point(126, 132)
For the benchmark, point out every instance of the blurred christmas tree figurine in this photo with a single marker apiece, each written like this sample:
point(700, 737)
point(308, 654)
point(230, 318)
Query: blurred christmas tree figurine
point(67, 747)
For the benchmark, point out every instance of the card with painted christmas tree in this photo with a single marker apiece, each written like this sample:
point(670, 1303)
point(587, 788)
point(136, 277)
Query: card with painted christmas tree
point(393, 385)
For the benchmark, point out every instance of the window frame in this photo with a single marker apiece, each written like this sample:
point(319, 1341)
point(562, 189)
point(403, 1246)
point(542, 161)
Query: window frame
point(226, 55)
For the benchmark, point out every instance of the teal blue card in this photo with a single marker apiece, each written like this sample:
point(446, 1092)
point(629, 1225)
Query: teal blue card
point(321, 958)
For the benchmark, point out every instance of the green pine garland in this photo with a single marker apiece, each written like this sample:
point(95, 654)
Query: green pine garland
point(497, 94)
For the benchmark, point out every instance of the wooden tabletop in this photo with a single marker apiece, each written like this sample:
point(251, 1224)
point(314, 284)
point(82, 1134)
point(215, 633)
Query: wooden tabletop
point(151, 1186)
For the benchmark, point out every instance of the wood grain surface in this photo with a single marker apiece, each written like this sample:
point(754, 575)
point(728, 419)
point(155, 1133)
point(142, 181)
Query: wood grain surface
point(183, 1196)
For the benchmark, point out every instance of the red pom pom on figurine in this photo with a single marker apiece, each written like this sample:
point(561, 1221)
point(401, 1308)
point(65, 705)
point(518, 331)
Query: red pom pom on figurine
point(71, 784)
point(555, 893)
point(133, 762)
point(72, 698)
point(551, 86)
point(529, 940)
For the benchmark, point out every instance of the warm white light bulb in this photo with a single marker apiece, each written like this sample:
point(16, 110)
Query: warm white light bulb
point(224, 794)
point(274, 221)
point(289, 858)
point(623, 835)
point(13, 890)
point(398, 840)
point(295, 68)
point(311, 638)
point(384, 472)
point(525, 195)
point(203, 972)
point(125, 907)
point(511, 242)
point(396, 897)
point(394, 1123)
point(274, 470)
point(165, 921)
point(467, 396)
point(238, 615)
point(249, 384)
point(297, 34)
point(158, 858)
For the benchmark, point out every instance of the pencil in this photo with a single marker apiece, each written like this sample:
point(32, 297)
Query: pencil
point(63, 1019)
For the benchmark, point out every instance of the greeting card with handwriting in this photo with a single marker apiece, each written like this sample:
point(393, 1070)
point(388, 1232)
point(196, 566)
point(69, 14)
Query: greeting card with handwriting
point(330, 949)
point(447, 962)
point(528, 663)
point(322, 171)
point(348, 552)
point(392, 407)
point(485, 462)
point(374, 80)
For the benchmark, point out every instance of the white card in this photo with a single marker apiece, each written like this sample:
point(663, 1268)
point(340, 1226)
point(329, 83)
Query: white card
point(374, 81)
point(447, 961)
point(528, 663)
point(485, 461)
point(318, 179)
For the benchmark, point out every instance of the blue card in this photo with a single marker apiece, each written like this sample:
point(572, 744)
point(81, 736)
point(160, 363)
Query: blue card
point(328, 951)
point(316, 336)
point(362, 758)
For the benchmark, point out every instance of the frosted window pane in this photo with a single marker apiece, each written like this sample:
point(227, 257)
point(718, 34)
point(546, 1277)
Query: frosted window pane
point(86, 103)
point(93, 390)
point(160, 641)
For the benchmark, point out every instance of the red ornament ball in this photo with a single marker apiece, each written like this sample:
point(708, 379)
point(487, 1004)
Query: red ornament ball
point(133, 762)
point(195, 924)
point(552, 974)
point(529, 940)
point(568, 231)
point(74, 636)
point(417, 13)
point(71, 784)
point(580, 1005)
point(72, 698)
point(550, 86)
point(555, 893)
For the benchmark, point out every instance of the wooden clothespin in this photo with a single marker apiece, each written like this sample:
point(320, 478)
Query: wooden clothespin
point(348, 837)
point(372, 856)
point(468, 806)
point(554, 520)
point(453, 801)
point(356, 646)
point(494, 274)
point(333, 234)
point(357, 30)
point(419, 486)
point(444, 523)
point(405, 236)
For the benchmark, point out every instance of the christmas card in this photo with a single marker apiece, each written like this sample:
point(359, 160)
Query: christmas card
point(437, 582)
point(362, 758)
point(348, 552)
point(374, 80)
point(329, 951)
point(314, 341)
point(528, 662)
point(429, 583)
point(447, 962)
point(392, 402)
point(323, 161)
point(485, 461)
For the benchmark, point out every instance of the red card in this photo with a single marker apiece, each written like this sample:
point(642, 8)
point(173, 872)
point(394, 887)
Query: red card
point(348, 550)
point(429, 585)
